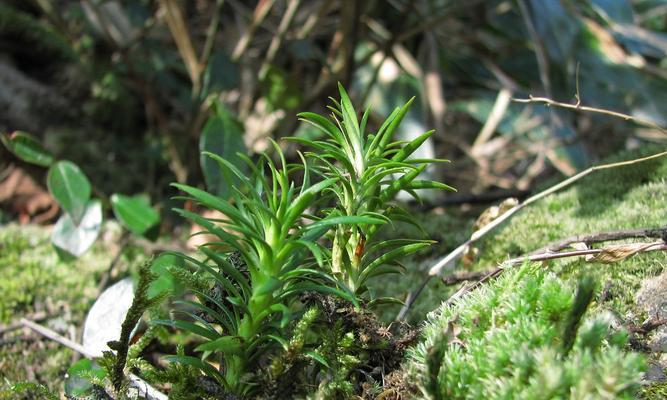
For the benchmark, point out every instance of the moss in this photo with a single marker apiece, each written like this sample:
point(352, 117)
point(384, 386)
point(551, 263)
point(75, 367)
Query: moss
point(507, 340)
point(655, 391)
point(625, 198)
point(35, 279)
point(630, 197)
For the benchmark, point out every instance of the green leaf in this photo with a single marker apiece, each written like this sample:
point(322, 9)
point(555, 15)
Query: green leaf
point(345, 220)
point(165, 282)
point(390, 256)
point(317, 357)
point(79, 375)
point(271, 285)
point(27, 148)
point(223, 136)
point(281, 91)
point(70, 187)
point(135, 213)
point(381, 301)
point(74, 238)
point(188, 326)
point(226, 345)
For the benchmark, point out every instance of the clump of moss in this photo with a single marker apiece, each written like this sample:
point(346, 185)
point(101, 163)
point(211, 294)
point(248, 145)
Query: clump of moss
point(508, 340)
point(35, 279)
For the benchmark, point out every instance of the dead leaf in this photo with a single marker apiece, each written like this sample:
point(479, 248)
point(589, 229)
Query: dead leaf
point(615, 253)
point(21, 194)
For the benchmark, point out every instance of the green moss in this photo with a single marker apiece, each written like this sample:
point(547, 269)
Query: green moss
point(629, 197)
point(505, 340)
point(35, 279)
point(511, 329)
point(655, 391)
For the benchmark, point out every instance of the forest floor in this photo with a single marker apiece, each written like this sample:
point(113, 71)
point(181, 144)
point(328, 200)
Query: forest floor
point(37, 285)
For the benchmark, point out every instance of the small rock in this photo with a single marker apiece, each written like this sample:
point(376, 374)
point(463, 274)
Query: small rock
point(655, 373)
point(652, 298)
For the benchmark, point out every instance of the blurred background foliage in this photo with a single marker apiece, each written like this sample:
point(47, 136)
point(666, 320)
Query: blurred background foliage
point(132, 90)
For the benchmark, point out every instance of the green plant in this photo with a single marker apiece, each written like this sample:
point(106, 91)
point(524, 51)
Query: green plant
point(81, 221)
point(524, 337)
point(264, 226)
point(269, 252)
point(369, 170)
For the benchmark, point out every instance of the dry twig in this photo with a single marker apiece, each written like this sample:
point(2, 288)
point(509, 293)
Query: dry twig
point(577, 106)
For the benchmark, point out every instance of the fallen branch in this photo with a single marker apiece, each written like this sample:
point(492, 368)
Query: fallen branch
point(145, 390)
point(604, 237)
point(458, 277)
point(577, 106)
point(454, 255)
point(600, 255)
point(607, 255)
point(648, 326)
point(39, 316)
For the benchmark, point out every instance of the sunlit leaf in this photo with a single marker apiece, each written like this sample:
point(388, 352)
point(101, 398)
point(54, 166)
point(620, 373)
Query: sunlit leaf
point(70, 187)
point(135, 213)
point(27, 148)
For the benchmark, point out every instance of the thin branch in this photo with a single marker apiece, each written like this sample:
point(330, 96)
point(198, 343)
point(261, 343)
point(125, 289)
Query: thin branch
point(143, 387)
point(179, 32)
point(495, 116)
point(548, 102)
point(210, 36)
point(39, 316)
point(261, 11)
point(626, 250)
point(277, 40)
point(496, 272)
point(604, 237)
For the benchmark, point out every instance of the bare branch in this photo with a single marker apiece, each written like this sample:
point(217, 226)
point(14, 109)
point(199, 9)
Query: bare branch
point(548, 102)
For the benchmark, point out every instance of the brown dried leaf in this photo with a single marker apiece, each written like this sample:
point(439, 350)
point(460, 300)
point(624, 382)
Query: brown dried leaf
point(615, 253)
point(21, 194)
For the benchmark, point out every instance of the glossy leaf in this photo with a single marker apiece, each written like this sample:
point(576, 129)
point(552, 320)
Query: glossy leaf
point(223, 136)
point(165, 281)
point(75, 238)
point(27, 148)
point(79, 375)
point(135, 213)
point(70, 187)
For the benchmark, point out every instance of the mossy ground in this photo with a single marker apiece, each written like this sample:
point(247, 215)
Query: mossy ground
point(630, 197)
point(34, 280)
